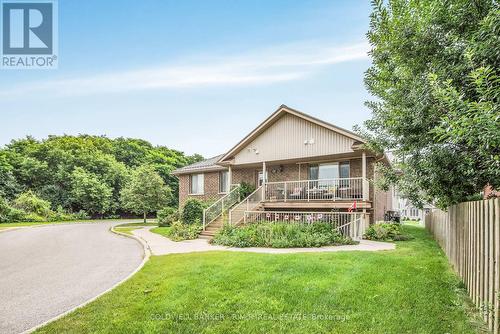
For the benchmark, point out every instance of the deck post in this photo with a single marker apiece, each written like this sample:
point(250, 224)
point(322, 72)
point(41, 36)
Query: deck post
point(363, 175)
point(264, 181)
point(308, 188)
point(285, 191)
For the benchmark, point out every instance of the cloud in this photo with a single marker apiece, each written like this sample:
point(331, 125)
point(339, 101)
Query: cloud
point(265, 66)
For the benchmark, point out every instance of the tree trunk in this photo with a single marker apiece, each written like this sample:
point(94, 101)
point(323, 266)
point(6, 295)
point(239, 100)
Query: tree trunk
point(144, 217)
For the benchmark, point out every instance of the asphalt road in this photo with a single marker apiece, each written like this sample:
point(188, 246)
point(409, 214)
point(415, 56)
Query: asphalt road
point(45, 271)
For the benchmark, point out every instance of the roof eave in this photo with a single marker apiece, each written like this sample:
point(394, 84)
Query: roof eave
point(198, 170)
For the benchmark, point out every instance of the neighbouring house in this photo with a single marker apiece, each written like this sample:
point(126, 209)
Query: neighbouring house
point(489, 192)
point(297, 164)
point(407, 210)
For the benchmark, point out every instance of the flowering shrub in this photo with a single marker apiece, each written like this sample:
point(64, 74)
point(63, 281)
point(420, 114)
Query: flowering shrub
point(280, 235)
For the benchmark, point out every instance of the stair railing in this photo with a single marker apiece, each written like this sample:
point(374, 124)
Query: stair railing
point(253, 200)
point(355, 228)
point(223, 204)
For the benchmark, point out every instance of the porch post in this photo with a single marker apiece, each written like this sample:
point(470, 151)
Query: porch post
point(264, 180)
point(363, 174)
point(230, 176)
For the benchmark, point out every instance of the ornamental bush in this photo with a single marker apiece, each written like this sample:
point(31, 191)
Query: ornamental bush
point(192, 213)
point(179, 231)
point(280, 235)
point(246, 189)
point(167, 216)
point(385, 232)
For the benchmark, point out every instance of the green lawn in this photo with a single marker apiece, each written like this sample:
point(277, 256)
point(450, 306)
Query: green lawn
point(139, 224)
point(161, 230)
point(7, 225)
point(412, 222)
point(133, 222)
point(126, 230)
point(409, 290)
point(129, 227)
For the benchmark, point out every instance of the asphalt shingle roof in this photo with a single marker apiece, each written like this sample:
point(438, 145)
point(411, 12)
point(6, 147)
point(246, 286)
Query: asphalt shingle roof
point(201, 165)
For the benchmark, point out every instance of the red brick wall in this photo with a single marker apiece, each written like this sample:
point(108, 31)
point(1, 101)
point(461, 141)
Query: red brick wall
point(211, 188)
point(247, 175)
point(278, 173)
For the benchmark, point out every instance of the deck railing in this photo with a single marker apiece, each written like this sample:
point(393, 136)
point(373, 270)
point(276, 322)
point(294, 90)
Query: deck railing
point(221, 205)
point(354, 188)
point(251, 202)
point(348, 224)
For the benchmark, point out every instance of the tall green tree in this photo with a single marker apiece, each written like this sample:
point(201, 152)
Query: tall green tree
point(90, 193)
point(145, 192)
point(9, 187)
point(46, 166)
point(434, 74)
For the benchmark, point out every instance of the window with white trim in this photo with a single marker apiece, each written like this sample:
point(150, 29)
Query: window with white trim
point(224, 181)
point(197, 184)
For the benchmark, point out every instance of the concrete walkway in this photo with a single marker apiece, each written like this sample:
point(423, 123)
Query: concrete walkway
point(160, 245)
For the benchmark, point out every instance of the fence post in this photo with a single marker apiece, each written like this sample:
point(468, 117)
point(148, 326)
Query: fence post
point(496, 219)
point(491, 284)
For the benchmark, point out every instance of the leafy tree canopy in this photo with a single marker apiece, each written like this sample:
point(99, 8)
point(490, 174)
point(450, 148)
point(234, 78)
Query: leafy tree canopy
point(435, 79)
point(89, 193)
point(83, 172)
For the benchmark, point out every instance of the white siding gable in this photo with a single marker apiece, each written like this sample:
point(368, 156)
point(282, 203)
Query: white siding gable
point(286, 139)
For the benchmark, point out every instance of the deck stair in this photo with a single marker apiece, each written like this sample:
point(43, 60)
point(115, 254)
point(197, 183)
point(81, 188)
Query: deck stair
point(212, 228)
point(252, 202)
point(215, 215)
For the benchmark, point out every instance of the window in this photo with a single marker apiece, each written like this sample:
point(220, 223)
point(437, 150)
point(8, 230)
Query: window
point(224, 181)
point(313, 172)
point(329, 171)
point(414, 212)
point(260, 177)
point(345, 170)
point(197, 184)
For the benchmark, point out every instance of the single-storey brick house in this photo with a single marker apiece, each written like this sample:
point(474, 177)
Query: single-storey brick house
point(296, 163)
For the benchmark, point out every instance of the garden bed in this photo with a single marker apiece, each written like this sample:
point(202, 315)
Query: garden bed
point(280, 235)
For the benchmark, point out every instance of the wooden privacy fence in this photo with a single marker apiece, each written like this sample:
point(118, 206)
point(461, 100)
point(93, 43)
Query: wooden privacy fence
point(469, 234)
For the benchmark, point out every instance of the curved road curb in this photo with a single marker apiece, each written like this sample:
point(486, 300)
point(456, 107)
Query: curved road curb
point(146, 255)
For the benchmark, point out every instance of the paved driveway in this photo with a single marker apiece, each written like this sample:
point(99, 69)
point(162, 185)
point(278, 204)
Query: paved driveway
point(45, 271)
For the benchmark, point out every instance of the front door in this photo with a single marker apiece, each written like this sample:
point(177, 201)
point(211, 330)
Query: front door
point(260, 177)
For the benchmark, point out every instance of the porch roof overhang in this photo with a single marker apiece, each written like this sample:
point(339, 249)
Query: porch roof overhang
point(303, 160)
